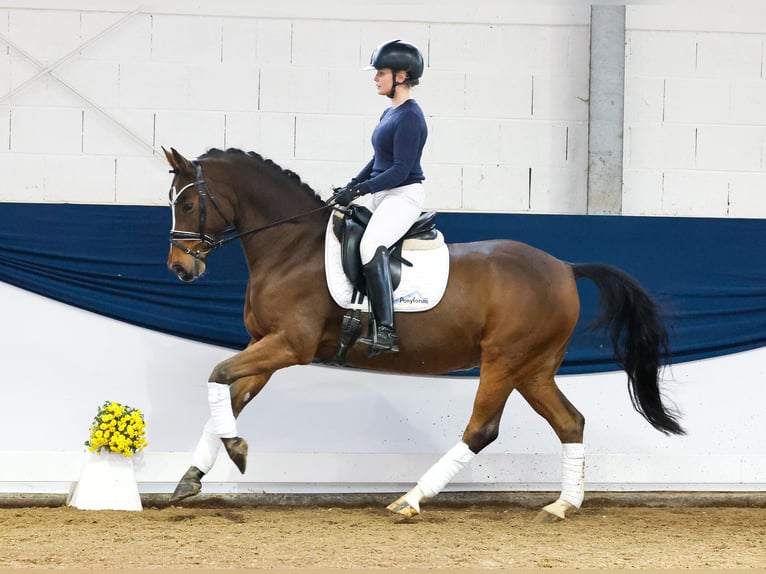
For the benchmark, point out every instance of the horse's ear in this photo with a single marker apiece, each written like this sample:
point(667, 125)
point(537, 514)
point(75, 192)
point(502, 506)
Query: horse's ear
point(178, 162)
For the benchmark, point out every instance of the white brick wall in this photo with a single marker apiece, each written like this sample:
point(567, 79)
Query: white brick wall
point(505, 92)
point(695, 111)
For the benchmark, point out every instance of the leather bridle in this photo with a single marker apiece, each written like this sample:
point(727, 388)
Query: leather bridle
point(208, 242)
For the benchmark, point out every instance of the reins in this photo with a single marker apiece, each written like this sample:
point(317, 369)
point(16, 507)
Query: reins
point(228, 236)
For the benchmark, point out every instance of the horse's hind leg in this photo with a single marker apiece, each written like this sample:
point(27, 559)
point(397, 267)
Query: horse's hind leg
point(482, 429)
point(549, 402)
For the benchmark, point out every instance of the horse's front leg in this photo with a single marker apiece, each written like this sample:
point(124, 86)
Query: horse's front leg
point(210, 442)
point(233, 383)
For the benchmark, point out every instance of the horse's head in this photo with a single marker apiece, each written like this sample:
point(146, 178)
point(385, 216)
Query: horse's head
point(198, 221)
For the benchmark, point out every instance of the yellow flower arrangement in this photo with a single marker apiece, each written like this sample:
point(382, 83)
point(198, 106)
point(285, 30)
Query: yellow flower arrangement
point(117, 428)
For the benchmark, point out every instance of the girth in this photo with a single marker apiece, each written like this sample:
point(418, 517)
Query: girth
point(349, 228)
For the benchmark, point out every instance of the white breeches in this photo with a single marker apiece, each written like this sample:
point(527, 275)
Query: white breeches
point(393, 213)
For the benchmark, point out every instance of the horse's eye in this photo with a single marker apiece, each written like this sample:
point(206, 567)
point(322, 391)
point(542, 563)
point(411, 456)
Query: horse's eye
point(187, 207)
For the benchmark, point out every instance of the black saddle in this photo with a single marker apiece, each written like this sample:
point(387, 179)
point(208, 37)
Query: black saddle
point(349, 230)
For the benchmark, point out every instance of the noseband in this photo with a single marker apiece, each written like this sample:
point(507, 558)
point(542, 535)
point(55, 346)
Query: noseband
point(229, 233)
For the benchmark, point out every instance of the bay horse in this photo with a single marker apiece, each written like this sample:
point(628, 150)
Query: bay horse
point(508, 308)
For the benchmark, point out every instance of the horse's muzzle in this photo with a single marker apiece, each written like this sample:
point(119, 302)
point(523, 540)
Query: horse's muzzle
point(182, 273)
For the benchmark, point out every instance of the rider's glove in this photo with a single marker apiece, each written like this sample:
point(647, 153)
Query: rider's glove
point(345, 195)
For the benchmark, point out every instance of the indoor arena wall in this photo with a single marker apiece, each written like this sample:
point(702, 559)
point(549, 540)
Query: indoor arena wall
point(91, 92)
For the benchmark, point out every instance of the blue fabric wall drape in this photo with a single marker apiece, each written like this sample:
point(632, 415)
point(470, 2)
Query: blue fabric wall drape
point(708, 274)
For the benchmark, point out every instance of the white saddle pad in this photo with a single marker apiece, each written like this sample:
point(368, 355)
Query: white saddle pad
point(422, 285)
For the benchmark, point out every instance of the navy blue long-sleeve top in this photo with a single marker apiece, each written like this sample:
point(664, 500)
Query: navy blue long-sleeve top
point(398, 142)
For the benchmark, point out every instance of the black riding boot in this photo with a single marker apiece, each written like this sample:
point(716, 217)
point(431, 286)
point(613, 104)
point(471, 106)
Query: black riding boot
point(377, 276)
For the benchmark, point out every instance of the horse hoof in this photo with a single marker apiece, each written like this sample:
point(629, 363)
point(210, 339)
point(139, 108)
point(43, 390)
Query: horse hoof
point(545, 517)
point(403, 508)
point(189, 485)
point(236, 447)
point(554, 512)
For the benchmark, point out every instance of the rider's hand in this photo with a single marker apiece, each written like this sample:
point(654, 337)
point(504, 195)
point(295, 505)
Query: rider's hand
point(345, 195)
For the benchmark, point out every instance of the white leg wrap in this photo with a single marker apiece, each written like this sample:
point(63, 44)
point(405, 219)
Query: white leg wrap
point(207, 449)
point(437, 477)
point(573, 473)
point(222, 421)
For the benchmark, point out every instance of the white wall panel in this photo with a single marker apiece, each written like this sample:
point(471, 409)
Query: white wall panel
point(80, 74)
point(295, 89)
point(271, 135)
point(102, 136)
point(5, 76)
point(662, 146)
point(142, 181)
point(497, 95)
point(325, 44)
point(191, 130)
point(695, 193)
point(46, 130)
point(445, 188)
point(80, 179)
point(353, 92)
point(468, 48)
point(543, 49)
point(43, 90)
point(274, 42)
point(5, 128)
point(729, 55)
point(491, 187)
point(23, 177)
point(706, 120)
point(59, 28)
point(687, 72)
point(655, 53)
point(317, 138)
point(644, 102)
point(154, 85)
point(185, 39)
point(728, 16)
point(730, 148)
point(748, 103)
point(543, 144)
point(20, 72)
point(464, 141)
point(224, 87)
point(695, 100)
point(747, 195)
point(130, 40)
point(641, 191)
point(239, 38)
point(560, 97)
point(559, 190)
point(441, 93)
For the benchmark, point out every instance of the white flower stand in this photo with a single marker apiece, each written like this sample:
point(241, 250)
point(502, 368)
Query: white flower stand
point(107, 482)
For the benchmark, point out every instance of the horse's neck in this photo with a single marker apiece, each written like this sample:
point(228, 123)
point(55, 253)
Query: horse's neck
point(288, 246)
point(287, 236)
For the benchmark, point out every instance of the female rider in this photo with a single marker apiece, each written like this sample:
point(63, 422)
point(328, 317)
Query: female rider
point(394, 178)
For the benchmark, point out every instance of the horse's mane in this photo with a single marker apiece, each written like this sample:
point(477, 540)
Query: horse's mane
point(253, 157)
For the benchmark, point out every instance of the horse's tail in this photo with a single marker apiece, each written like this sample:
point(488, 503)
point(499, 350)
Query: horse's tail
point(639, 339)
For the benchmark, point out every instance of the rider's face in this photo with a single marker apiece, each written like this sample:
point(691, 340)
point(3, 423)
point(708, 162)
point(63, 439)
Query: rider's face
point(384, 81)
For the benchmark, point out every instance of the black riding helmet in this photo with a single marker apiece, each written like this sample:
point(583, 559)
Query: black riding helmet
point(398, 55)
